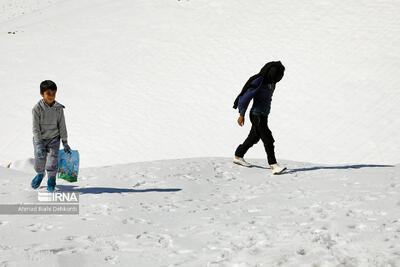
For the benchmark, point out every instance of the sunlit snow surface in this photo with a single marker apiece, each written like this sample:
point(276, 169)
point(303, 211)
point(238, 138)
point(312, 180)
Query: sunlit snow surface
point(210, 212)
point(146, 80)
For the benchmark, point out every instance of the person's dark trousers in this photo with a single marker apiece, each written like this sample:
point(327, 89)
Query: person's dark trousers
point(259, 130)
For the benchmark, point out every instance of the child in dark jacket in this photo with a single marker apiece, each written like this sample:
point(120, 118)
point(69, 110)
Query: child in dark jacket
point(260, 88)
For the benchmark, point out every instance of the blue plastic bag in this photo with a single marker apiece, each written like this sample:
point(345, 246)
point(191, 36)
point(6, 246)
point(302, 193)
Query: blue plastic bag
point(68, 165)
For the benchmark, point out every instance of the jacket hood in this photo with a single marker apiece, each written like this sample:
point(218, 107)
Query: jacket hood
point(56, 104)
point(272, 72)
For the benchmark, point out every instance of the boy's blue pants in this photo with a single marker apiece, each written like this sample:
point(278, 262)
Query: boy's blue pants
point(50, 162)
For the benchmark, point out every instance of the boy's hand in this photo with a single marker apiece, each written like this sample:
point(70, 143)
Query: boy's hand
point(241, 120)
point(67, 148)
point(40, 150)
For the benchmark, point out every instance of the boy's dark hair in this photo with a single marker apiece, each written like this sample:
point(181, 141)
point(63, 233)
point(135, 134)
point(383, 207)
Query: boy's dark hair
point(47, 85)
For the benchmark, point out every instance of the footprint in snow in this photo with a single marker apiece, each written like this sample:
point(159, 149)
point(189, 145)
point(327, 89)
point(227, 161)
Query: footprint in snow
point(111, 259)
point(135, 220)
point(35, 227)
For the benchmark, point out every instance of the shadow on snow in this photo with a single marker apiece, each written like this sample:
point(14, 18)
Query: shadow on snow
point(101, 190)
point(358, 166)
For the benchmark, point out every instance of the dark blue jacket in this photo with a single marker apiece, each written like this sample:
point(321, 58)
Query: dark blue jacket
point(261, 93)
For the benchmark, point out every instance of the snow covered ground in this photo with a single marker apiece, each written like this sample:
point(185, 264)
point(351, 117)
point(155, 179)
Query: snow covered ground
point(148, 88)
point(146, 80)
point(13, 9)
point(210, 212)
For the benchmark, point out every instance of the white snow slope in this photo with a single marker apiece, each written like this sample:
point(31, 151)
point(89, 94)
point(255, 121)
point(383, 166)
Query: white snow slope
point(148, 80)
point(145, 80)
point(210, 212)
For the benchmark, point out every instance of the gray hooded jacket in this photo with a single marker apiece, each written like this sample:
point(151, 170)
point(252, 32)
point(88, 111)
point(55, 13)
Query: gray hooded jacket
point(48, 122)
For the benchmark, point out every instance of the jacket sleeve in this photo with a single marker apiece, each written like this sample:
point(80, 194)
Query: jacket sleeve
point(62, 127)
point(245, 99)
point(245, 87)
point(37, 137)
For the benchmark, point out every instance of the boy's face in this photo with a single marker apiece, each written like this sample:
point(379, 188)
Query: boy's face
point(49, 96)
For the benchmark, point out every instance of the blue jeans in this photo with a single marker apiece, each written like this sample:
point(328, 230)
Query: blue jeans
point(50, 162)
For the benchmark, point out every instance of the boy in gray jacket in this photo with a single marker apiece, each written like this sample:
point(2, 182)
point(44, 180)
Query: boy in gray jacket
point(48, 128)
